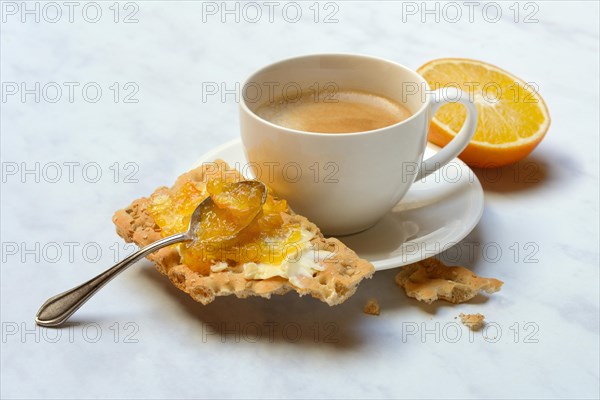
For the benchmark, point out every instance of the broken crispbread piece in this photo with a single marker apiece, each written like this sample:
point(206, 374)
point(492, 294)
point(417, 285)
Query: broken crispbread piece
point(372, 307)
point(430, 280)
point(337, 281)
point(474, 321)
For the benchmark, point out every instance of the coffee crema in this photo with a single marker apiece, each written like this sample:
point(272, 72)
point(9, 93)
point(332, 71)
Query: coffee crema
point(342, 111)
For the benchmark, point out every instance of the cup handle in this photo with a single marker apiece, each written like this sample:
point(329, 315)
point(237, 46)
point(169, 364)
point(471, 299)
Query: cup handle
point(461, 140)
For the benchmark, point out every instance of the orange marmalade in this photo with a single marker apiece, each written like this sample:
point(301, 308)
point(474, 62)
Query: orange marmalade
point(267, 239)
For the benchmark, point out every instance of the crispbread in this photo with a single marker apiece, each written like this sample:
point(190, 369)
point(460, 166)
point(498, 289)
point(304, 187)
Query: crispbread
point(337, 282)
point(429, 280)
point(474, 321)
point(372, 307)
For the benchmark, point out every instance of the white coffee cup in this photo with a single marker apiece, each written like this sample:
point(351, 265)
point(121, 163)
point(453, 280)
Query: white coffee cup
point(346, 182)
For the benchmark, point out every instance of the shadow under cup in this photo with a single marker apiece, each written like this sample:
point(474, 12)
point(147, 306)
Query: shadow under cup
point(343, 182)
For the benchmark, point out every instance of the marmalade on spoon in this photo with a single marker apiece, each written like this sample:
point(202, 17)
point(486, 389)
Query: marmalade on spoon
point(267, 239)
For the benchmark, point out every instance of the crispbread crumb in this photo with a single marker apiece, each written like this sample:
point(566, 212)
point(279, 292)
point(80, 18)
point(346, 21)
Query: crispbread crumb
point(430, 280)
point(372, 307)
point(474, 321)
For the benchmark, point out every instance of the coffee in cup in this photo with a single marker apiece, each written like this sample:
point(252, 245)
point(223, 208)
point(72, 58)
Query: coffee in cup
point(334, 111)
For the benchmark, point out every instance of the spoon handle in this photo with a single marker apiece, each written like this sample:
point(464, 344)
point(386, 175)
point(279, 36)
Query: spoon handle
point(59, 308)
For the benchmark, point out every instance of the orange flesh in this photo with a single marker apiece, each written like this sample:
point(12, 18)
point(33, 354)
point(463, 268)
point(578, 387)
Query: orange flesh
point(512, 116)
point(266, 239)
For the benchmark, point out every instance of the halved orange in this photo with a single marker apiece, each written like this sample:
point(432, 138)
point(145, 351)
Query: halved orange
point(513, 117)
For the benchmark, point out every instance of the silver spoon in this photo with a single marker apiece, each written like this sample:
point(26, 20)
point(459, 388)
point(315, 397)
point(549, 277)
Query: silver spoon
point(59, 308)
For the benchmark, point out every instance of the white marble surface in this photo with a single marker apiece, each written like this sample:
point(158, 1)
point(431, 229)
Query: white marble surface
point(155, 342)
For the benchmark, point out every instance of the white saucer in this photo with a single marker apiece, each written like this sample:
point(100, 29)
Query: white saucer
point(435, 214)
